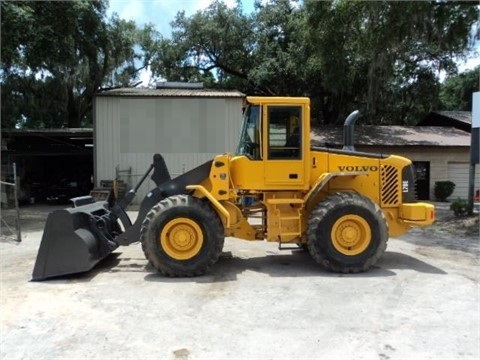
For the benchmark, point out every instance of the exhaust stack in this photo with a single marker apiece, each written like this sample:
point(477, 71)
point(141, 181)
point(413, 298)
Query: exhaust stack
point(348, 131)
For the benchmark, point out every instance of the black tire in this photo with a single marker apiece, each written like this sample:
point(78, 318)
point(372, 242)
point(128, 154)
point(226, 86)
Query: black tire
point(197, 239)
point(347, 233)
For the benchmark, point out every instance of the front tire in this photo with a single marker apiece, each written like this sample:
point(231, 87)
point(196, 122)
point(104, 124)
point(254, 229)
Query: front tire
point(182, 236)
point(347, 233)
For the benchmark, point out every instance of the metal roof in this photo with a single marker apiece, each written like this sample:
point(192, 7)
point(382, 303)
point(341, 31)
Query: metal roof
point(392, 135)
point(463, 116)
point(47, 141)
point(459, 119)
point(146, 92)
point(370, 135)
point(46, 132)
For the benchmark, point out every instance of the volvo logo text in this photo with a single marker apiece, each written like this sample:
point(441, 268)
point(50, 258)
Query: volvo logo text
point(358, 168)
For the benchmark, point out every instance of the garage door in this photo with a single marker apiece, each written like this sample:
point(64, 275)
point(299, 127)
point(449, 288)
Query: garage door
point(459, 174)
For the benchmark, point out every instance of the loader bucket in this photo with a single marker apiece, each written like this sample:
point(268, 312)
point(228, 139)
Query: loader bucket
point(74, 241)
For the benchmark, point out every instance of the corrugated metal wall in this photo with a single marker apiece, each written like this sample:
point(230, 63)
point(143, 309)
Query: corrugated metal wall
point(186, 131)
point(106, 137)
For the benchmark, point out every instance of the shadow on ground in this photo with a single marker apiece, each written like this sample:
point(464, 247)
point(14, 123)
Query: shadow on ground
point(296, 264)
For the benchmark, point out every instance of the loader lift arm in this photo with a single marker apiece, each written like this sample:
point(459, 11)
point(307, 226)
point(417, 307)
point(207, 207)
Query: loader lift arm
point(165, 187)
point(159, 176)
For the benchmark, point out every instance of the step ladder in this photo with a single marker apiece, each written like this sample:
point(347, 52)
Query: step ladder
point(290, 217)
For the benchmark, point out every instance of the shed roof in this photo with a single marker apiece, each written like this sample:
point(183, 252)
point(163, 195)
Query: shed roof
point(168, 92)
point(459, 119)
point(55, 132)
point(47, 141)
point(392, 135)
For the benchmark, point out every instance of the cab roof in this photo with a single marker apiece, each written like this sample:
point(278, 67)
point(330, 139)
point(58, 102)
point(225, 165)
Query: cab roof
point(279, 100)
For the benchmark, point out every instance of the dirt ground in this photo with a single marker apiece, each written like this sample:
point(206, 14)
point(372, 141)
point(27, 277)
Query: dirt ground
point(420, 301)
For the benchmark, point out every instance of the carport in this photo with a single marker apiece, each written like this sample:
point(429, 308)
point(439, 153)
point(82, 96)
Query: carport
point(51, 163)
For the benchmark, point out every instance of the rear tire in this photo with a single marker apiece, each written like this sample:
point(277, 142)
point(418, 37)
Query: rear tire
point(182, 236)
point(347, 233)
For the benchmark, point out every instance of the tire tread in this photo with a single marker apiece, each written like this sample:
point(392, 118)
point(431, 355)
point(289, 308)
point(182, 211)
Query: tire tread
point(149, 240)
point(327, 206)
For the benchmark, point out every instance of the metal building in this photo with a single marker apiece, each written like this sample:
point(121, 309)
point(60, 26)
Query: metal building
point(188, 126)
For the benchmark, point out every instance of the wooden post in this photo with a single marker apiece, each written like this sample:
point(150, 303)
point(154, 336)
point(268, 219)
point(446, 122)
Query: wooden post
point(17, 208)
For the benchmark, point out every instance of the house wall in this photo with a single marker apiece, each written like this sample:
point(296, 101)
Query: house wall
point(186, 131)
point(439, 158)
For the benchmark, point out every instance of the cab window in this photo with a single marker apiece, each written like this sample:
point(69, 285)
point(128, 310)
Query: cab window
point(249, 144)
point(284, 132)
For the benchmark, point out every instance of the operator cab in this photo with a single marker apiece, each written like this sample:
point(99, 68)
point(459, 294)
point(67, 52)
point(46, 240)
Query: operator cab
point(274, 138)
point(284, 131)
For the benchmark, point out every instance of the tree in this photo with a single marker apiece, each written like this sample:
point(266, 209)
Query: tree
point(258, 53)
point(280, 48)
point(386, 57)
point(57, 55)
point(456, 91)
point(213, 45)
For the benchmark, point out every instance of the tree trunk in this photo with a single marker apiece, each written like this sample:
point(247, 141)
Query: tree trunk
point(73, 110)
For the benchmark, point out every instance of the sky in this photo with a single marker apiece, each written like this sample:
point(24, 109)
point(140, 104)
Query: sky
point(162, 12)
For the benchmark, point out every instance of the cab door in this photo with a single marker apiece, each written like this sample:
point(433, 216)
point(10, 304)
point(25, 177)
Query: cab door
point(283, 146)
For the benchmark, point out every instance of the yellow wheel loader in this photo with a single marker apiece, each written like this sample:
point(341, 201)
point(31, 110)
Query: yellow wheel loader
point(339, 204)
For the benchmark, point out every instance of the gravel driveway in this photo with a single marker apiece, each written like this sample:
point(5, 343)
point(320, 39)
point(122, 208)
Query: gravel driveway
point(421, 301)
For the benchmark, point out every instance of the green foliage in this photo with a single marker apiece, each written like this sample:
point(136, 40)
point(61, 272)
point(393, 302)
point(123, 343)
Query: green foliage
point(443, 189)
point(213, 43)
point(57, 55)
point(459, 207)
point(456, 91)
point(281, 49)
point(386, 57)
point(382, 57)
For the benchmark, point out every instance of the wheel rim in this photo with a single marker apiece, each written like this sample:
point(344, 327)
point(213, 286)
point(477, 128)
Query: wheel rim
point(351, 235)
point(181, 238)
